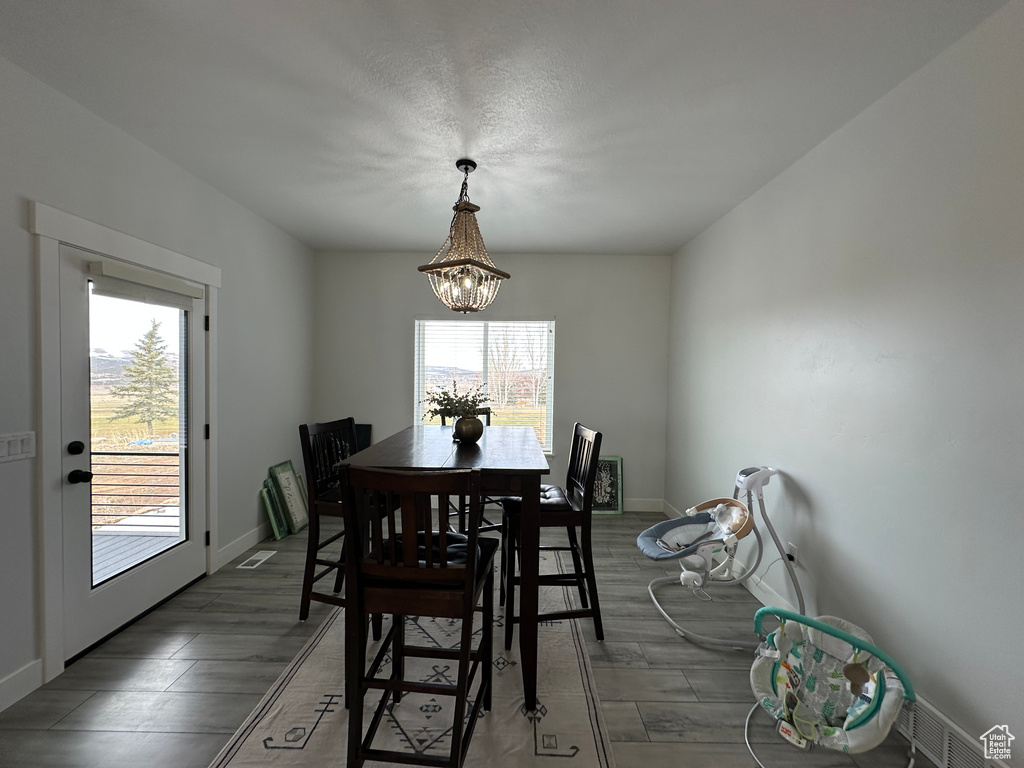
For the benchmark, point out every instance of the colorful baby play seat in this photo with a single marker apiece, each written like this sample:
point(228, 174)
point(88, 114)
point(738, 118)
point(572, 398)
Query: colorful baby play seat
point(826, 683)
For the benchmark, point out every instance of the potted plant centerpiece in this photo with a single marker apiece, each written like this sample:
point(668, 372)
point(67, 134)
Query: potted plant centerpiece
point(463, 407)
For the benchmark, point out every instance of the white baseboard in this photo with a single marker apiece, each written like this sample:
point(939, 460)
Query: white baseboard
point(229, 552)
point(643, 505)
point(767, 594)
point(670, 511)
point(20, 683)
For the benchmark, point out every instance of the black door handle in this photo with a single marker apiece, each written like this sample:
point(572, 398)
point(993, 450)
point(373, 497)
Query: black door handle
point(79, 476)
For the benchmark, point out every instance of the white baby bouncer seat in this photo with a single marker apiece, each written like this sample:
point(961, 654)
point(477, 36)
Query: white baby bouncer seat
point(704, 542)
point(826, 683)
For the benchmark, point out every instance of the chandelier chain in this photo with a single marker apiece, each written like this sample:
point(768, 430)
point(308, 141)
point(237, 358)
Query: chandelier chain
point(463, 197)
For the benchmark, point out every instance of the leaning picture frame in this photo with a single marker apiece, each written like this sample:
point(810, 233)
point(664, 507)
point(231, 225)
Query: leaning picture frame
point(293, 505)
point(268, 495)
point(303, 491)
point(608, 486)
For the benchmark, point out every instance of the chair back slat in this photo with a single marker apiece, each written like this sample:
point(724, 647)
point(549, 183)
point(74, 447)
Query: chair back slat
point(582, 471)
point(324, 447)
point(381, 504)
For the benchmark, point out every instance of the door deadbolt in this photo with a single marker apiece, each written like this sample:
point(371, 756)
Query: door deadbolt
point(76, 447)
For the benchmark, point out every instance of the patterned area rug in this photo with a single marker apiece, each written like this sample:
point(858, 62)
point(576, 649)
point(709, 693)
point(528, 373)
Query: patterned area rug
point(302, 720)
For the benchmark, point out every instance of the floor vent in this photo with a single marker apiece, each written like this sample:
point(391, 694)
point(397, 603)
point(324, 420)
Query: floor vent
point(941, 740)
point(258, 559)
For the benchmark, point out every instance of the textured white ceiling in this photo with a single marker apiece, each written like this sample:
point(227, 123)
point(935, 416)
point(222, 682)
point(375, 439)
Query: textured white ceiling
point(599, 126)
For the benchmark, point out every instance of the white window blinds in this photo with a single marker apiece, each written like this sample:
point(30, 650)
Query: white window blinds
point(513, 362)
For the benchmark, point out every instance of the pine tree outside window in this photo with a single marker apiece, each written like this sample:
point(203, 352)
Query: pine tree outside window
point(150, 391)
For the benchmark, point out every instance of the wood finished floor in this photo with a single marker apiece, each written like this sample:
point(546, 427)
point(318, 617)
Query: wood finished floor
point(169, 690)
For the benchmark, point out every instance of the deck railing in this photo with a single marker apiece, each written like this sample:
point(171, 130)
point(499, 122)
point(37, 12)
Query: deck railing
point(136, 491)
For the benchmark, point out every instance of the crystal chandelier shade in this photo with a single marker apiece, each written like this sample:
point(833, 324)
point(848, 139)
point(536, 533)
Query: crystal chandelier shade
point(461, 273)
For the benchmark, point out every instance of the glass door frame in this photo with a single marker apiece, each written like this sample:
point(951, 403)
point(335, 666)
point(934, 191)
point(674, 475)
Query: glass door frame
point(94, 611)
point(52, 227)
point(122, 478)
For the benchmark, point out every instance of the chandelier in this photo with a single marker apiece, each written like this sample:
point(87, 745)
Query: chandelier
point(461, 273)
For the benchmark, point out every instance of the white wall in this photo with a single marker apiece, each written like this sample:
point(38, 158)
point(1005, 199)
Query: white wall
point(611, 320)
point(54, 151)
point(858, 324)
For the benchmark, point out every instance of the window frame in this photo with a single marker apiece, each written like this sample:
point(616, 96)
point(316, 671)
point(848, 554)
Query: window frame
point(545, 391)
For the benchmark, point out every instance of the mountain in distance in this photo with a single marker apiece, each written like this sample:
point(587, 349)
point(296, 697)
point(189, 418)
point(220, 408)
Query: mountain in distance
point(107, 368)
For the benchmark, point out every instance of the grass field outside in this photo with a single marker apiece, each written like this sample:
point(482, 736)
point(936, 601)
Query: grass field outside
point(513, 416)
point(120, 432)
point(133, 472)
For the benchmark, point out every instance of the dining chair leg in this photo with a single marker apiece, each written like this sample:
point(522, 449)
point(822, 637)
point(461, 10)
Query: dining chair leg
point(487, 640)
point(509, 572)
point(465, 662)
point(339, 580)
point(355, 663)
point(591, 578)
point(577, 564)
point(504, 558)
point(397, 654)
point(312, 547)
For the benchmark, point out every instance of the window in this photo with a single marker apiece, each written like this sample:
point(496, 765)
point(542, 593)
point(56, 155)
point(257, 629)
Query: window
point(513, 362)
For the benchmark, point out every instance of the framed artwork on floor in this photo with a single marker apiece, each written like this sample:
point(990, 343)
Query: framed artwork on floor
point(271, 505)
point(293, 505)
point(608, 485)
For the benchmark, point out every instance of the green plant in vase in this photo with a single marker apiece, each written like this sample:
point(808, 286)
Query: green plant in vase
point(463, 407)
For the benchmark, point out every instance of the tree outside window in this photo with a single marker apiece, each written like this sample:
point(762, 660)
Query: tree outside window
point(151, 386)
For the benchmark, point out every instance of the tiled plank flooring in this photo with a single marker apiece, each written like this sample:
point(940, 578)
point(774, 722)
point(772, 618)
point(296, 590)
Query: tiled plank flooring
point(169, 690)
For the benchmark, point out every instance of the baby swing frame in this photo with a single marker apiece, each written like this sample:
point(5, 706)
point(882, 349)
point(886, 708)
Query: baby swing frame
point(752, 481)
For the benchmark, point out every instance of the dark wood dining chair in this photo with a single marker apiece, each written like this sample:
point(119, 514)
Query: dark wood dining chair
point(324, 447)
point(410, 564)
point(569, 508)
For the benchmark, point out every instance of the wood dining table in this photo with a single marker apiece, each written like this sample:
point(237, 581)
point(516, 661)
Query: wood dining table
point(511, 463)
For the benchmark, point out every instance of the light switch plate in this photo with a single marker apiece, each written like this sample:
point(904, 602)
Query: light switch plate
point(18, 445)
